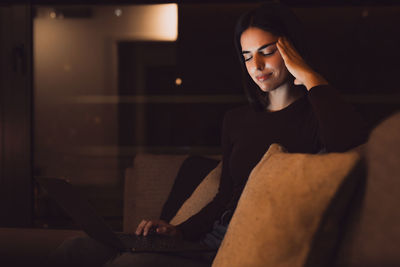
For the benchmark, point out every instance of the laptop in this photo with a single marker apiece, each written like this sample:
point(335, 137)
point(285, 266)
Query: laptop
point(80, 210)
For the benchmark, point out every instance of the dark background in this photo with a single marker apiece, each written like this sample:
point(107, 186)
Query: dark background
point(355, 46)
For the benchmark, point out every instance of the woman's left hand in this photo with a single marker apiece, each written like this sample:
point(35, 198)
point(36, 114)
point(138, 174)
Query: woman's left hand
point(296, 65)
point(161, 227)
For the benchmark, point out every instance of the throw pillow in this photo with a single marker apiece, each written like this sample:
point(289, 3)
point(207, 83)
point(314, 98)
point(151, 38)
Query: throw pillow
point(281, 208)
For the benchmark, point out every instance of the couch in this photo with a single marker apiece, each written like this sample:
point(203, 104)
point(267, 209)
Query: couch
point(359, 224)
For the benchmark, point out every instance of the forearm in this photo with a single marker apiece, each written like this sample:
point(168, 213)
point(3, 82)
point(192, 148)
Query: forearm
point(201, 223)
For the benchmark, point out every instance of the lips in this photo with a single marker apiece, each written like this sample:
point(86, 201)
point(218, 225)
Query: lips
point(263, 77)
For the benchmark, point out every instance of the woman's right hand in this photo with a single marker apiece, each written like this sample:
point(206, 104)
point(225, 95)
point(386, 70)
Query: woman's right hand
point(297, 66)
point(162, 227)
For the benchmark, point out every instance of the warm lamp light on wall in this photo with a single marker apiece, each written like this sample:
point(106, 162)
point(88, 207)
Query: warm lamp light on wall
point(162, 22)
point(168, 21)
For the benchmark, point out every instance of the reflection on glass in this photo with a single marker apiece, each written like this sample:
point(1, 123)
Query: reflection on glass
point(113, 81)
point(75, 55)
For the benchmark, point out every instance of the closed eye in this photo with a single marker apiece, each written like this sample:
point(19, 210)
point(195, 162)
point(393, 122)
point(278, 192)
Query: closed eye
point(264, 50)
point(267, 53)
point(248, 56)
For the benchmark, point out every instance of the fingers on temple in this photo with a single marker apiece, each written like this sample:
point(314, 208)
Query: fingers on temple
point(282, 50)
point(286, 50)
point(288, 47)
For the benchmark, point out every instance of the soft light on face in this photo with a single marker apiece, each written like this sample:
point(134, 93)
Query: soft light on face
point(263, 61)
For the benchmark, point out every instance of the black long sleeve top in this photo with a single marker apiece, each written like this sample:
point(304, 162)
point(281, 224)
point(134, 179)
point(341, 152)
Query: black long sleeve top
point(319, 120)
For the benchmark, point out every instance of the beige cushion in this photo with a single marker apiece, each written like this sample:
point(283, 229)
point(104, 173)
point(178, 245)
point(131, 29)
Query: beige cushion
point(202, 195)
point(281, 207)
point(374, 236)
point(147, 186)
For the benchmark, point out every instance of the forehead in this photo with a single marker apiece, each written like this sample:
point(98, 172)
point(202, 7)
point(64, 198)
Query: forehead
point(253, 38)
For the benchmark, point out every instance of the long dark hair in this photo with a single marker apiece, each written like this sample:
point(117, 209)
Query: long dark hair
point(279, 20)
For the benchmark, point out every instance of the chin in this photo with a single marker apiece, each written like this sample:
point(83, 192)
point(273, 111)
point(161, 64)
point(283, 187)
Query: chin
point(273, 84)
point(266, 88)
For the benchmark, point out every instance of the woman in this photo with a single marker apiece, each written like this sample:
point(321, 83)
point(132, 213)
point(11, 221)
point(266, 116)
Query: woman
point(290, 104)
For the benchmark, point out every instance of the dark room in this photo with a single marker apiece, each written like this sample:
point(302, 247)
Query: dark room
point(200, 133)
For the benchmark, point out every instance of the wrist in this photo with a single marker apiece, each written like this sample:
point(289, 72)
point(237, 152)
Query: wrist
point(314, 79)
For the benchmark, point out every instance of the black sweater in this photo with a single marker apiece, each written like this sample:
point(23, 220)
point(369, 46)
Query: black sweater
point(318, 121)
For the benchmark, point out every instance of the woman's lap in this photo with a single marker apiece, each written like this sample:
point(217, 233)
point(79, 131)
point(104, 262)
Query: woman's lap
point(81, 251)
point(85, 251)
point(154, 259)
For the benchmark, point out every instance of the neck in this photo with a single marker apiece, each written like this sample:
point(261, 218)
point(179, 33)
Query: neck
point(283, 96)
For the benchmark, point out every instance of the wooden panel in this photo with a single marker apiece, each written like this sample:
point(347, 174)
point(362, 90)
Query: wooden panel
point(15, 116)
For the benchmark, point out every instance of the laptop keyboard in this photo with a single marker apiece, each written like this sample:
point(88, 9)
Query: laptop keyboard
point(152, 242)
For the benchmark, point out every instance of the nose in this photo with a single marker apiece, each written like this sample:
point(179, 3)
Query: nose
point(258, 61)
